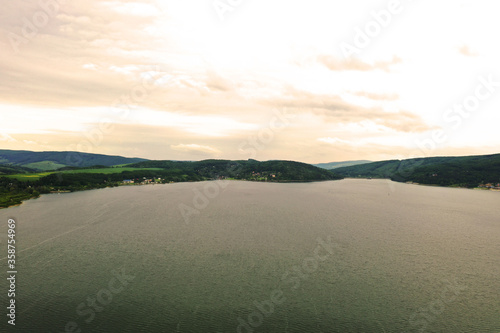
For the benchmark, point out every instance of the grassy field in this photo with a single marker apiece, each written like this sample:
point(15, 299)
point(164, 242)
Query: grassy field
point(38, 175)
point(44, 166)
point(108, 170)
point(29, 176)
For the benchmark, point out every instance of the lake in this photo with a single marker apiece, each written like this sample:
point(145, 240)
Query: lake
point(337, 256)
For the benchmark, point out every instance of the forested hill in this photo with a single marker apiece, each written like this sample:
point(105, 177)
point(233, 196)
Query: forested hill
point(335, 165)
point(18, 183)
point(52, 160)
point(246, 169)
point(466, 171)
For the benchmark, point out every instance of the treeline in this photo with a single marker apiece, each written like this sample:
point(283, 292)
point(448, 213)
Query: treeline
point(6, 169)
point(81, 181)
point(13, 191)
point(468, 171)
point(66, 168)
point(247, 169)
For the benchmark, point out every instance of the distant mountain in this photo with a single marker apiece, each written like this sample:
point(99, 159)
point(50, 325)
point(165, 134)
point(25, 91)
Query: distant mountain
point(466, 171)
point(335, 165)
point(52, 160)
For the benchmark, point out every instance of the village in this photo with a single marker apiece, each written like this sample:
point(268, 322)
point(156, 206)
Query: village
point(256, 176)
point(490, 186)
point(143, 181)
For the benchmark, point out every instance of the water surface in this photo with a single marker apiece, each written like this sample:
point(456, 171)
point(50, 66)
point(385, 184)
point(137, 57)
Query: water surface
point(403, 258)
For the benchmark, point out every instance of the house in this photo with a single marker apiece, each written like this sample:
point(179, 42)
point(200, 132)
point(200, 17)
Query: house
point(128, 181)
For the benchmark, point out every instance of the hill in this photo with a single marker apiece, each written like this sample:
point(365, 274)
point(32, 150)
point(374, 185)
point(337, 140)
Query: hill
point(52, 160)
point(14, 188)
point(466, 171)
point(6, 169)
point(335, 165)
point(246, 169)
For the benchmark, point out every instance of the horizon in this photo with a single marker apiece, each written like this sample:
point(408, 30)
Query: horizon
point(169, 81)
point(292, 160)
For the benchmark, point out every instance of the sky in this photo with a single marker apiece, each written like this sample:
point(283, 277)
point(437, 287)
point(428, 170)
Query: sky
point(312, 81)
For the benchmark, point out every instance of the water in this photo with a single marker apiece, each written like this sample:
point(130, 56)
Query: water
point(395, 258)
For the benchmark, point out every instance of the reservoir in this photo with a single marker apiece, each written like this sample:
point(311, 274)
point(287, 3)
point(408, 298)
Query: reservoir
point(235, 256)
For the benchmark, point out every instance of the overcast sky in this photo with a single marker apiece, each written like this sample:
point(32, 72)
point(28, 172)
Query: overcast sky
point(311, 81)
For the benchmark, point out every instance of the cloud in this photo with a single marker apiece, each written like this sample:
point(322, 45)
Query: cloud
point(216, 82)
point(85, 54)
point(333, 141)
point(466, 51)
point(376, 96)
point(334, 109)
point(214, 85)
point(90, 66)
point(7, 138)
point(354, 64)
point(195, 148)
point(133, 8)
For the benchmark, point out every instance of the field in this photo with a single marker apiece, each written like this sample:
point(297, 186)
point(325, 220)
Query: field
point(44, 166)
point(108, 170)
point(38, 175)
point(29, 176)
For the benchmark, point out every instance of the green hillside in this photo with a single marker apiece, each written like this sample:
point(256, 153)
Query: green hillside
point(467, 171)
point(37, 175)
point(248, 170)
point(51, 160)
point(44, 165)
point(16, 187)
point(6, 169)
point(335, 165)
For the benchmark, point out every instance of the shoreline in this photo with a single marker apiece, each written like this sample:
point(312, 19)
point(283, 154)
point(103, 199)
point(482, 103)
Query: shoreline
point(120, 185)
point(255, 181)
point(430, 185)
